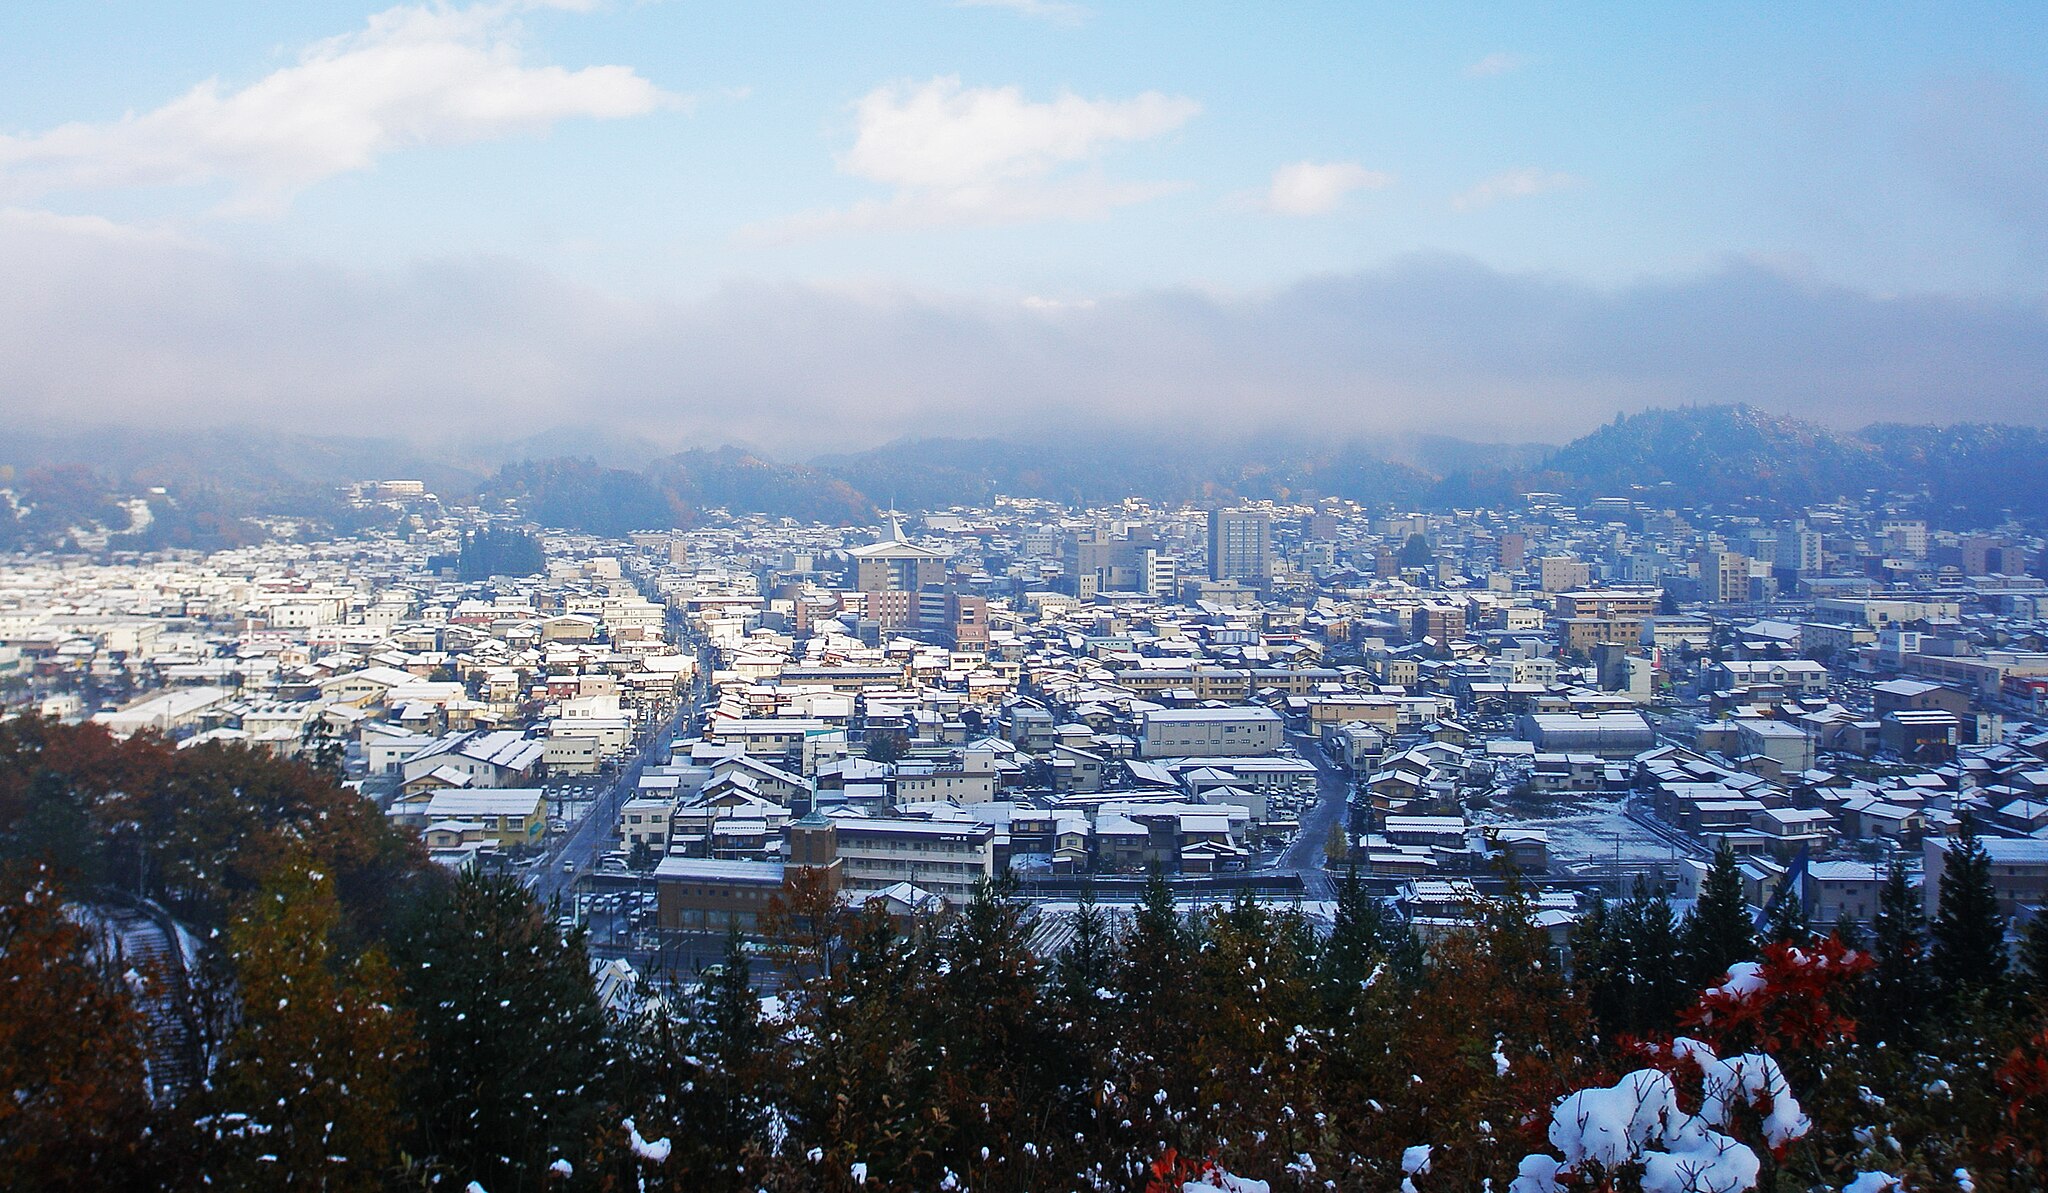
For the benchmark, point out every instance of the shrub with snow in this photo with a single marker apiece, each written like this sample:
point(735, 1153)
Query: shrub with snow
point(1637, 1123)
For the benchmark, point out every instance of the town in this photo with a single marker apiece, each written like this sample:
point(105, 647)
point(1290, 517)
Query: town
point(659, 731)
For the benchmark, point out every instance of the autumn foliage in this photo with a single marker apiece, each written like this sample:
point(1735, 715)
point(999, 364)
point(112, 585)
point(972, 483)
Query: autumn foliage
point(364, 1021)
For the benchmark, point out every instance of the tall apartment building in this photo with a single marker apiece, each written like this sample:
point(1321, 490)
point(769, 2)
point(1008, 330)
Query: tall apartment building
point(1240, 545)
point(1724, 577)
point(1095, 562)
point(1609, 602)
point(1562, 573)
point(1799, 550)
point(1514, 548)
point(1445, 623)
point(1904, 536)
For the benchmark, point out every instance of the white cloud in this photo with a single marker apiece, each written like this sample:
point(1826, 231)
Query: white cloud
point(99, 326)
point(1514, 184)
point(414, 76)
point(1057, 11)
point(1316, 188)
point(988, 155)
point(1496, 63)
point(941, 134)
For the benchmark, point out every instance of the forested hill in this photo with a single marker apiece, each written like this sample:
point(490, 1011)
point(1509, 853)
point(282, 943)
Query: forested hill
point(1720, 457)
point(1740, 456)
point(208, 489)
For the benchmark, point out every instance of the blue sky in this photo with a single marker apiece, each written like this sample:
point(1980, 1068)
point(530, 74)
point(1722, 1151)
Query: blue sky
point(1058, 204)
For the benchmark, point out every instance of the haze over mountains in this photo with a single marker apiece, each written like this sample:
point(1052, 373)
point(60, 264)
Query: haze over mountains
point(1732, 457)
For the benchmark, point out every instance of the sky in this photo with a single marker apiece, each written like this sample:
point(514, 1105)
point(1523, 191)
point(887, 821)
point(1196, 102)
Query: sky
point(807, 228)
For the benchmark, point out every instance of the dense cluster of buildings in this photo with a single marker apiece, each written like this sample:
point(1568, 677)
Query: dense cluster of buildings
point(1586, 691)
point(451, 703)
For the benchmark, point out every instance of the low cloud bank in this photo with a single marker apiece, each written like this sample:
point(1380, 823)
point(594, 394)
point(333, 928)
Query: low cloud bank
point(102, 323)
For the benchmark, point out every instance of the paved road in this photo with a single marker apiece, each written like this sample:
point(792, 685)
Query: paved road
point(597, 830)
point(1304, 856)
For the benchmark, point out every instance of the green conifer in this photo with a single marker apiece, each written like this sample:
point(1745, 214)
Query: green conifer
point(1969, 931)
point(1718, 931)
point(1901, 983)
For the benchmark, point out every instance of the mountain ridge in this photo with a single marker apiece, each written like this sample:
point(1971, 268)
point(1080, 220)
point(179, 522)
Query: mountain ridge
point(205, 487)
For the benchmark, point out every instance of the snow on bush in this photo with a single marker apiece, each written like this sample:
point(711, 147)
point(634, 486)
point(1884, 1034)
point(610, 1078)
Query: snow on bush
point(1745, 978)
point(653, 1151)
point(1175, 1173)
point(1637, 1123)
point(1215, 1180)
point(1753, 1079)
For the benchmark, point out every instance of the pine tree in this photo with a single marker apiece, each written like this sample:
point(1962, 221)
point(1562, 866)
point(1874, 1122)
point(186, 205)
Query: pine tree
point(1355, 948)
point(1084, 1001)
point(1786, 923)
point(728, 1040)
point(985, 1023)
point(1900, 985)
point(864, 1092)
point(517, 1060)
point(1648, 937)
point(1969, 932)
point(2034, 955)
point(1155, 991)
point(1718, 931)
point(55, 832)
point(1593, 952)
point(1085, 966)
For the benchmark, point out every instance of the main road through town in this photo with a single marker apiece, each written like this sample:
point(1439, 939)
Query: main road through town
point(1306, 856)
point(593, 834)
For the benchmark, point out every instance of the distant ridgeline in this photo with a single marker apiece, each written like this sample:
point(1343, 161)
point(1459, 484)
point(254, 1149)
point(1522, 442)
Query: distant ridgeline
point(219, 490)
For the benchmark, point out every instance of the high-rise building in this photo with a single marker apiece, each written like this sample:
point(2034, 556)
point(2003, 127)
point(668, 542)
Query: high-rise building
point(1514, 548)
point(1562, 573)
point(1799, 550)
point(1724, 576)
point(1240, 545)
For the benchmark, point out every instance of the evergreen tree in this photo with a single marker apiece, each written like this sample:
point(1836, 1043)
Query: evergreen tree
point(1900, 985)
point(995, 1033)
point(1355, 948)
point(866, 1089)
point(727, 1042)
point(1968, 932)
point(55, 832)
point(1086, 965)
point(2034, 956)
point(1593, 956)
point(1085, 1008)
point(1786, 923)
point(516, 1057)
point(1718, 931)
point(1849, 930)
point(1155, 991)
point(1648, 936)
